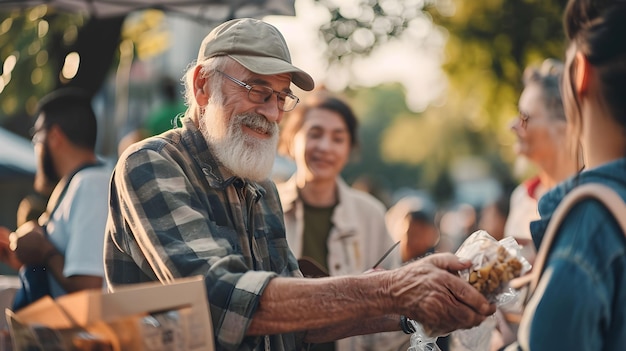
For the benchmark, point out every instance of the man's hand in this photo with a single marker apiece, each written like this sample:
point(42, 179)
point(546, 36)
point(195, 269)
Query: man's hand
point(430, 292)
point(30, 244)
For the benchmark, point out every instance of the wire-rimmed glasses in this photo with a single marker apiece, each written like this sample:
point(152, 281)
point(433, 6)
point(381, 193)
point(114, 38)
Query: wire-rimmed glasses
point(260, 94)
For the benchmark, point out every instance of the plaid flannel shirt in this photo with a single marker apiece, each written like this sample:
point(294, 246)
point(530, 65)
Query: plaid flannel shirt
point(174, 212)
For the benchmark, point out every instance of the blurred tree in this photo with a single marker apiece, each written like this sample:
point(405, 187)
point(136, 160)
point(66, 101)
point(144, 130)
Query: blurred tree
point(377, 108)
point(489, 44)
point(48, 50)
point(33, 39)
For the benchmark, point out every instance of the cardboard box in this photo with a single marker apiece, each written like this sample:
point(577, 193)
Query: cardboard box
point(151, 316)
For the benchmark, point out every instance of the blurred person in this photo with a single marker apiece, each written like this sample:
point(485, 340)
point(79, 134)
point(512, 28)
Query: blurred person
point(68, 238)
point(540, 129)
point(493, 215)
point(337, 227)
point(580, 301)
point(31, 207)
point(411, 221)
point(456, 224)
point(171, 106)
point(196, 200)
point(163, 117)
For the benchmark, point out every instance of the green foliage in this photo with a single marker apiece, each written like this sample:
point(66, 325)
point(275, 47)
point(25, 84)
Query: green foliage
point(490, 42)
point(31, 37)
point(37, 40)
point(377, 108)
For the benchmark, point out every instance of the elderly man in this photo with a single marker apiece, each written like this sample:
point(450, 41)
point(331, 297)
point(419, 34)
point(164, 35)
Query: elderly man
point(197, 201)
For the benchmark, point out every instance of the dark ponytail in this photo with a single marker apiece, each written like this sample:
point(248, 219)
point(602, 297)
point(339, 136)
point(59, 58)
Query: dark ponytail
point(598, 28)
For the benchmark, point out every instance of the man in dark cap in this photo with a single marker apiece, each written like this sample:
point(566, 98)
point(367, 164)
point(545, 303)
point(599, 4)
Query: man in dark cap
point(197, 201)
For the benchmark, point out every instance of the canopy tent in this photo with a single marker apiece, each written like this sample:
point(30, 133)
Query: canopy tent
point(215, 11)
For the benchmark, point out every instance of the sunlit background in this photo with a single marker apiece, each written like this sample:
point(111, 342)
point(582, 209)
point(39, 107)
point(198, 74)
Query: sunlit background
point(435, 82)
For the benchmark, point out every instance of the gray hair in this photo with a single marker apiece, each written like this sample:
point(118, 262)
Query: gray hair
point(548, 77)
point(208, 68)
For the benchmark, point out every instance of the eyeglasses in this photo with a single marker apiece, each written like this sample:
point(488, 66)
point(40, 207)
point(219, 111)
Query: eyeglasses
point(261, 94)
point(523, 119)
point(37, 135)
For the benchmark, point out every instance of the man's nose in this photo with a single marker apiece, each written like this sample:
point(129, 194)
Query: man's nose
point(270, 109)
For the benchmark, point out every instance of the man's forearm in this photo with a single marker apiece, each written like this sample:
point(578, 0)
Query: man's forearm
point(354, 327)
point(289, 304)
point(426, 291)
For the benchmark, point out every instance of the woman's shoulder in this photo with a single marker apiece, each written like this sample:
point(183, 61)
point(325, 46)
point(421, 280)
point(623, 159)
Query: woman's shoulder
point(591, 226)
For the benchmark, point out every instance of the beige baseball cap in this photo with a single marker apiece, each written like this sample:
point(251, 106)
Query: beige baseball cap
point(256, 45)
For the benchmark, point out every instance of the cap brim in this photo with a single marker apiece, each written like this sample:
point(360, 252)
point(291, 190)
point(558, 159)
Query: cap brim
point(270, 65)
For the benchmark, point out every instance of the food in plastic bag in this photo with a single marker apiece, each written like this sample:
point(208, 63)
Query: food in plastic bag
point(494, 264)
point(490, 277)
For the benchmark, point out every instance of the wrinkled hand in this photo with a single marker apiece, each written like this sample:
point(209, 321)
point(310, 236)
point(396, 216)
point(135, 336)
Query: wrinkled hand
point(430, 292)
point(30, 244)
point(7, 255)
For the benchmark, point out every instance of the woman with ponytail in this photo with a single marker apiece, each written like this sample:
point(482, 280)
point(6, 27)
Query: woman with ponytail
point(580, 300)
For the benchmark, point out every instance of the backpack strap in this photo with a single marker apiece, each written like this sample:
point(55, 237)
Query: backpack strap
point(602, 193)
point(59, 191)
point(607, 197)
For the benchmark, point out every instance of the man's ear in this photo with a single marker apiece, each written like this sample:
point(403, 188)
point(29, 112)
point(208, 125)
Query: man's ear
point(200, 86)
point(582, 70)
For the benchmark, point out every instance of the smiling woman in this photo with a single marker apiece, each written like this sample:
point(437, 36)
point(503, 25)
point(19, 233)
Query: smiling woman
point(330, 226)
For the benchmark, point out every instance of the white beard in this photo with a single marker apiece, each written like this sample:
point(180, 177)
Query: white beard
point(244, 155)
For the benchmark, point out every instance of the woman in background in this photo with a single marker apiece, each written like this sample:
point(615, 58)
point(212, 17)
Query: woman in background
point(328, 222)
point(541, 133)
point(580, 301)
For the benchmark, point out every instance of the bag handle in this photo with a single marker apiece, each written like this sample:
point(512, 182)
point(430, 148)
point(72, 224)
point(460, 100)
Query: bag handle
point(607, 196)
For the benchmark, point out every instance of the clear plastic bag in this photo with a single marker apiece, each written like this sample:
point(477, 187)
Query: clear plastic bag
point(494, 264)
point(420, 341)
